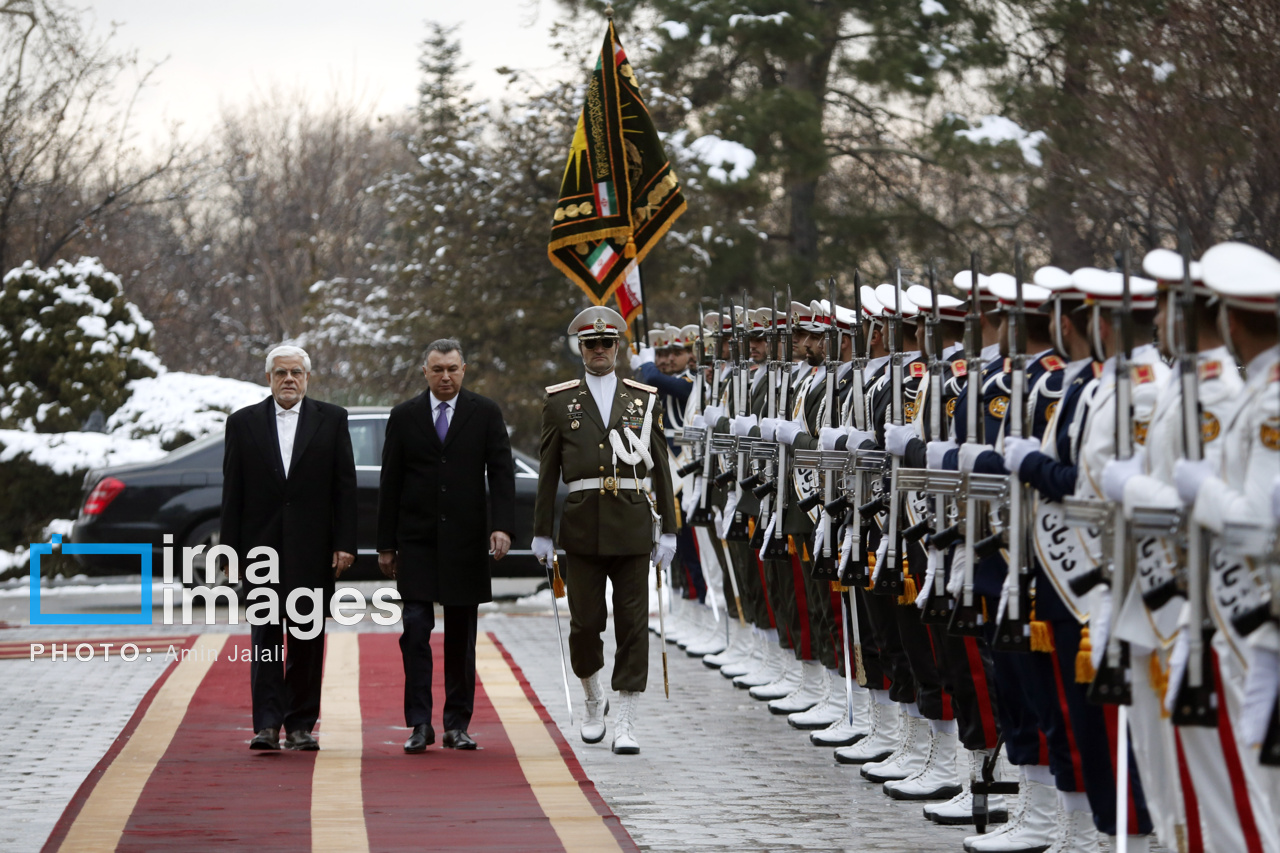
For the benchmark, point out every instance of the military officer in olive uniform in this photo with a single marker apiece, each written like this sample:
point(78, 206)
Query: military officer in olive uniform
point(604, 437)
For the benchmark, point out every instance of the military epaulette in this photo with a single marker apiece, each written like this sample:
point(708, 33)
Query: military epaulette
point(1008, 365)
point(687, 378)
point(1097, 369)
point(563, 386)
point(1053, 362)
point(1210, 370)
point(1143, 373)
point(917, 369)
point(640, 385)
point(959, 367)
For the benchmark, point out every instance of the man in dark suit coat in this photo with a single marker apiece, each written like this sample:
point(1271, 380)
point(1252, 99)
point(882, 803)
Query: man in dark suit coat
point(289, 483)
point(436, 529)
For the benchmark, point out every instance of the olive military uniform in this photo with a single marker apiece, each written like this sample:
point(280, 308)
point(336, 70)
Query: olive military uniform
point(607, 524)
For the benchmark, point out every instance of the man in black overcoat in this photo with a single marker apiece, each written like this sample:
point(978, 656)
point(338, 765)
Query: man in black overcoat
point(436, 529)
point(289, 483)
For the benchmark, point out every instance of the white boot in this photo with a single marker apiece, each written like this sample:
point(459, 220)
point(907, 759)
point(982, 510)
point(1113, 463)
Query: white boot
point(845, 732)
point(773, 664)
point(756, 645)
point(679, 621)
point(1134, 843)
point(738, 650)
point(958, 811)
point(814, 684)
point(1033, 822)
point(624, 733)
point(829, 710)
point(880, 742)
point(713, 642)
point(1076, 832)
point(597, 706)
point(908, 759)
point(789, 679)
point(696, 626)
point(938, 778)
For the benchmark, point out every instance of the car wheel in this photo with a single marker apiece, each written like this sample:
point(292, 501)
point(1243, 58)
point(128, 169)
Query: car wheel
point(207, 533)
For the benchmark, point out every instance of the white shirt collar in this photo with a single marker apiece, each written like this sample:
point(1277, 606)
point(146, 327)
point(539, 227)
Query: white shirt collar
point(281, 410)
point(436, 401)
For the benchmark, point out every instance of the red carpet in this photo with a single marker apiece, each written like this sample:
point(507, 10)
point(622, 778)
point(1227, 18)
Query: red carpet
point(208, 791)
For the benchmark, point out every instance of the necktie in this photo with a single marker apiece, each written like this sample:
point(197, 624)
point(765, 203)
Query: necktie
point(442, 422)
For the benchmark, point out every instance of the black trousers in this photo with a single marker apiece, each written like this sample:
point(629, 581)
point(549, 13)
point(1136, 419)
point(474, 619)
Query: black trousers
point(419, 621)
point(285, 688)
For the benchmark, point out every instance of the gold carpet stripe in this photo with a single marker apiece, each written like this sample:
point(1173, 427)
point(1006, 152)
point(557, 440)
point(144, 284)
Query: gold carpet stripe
point(337, 798)
point(559, 794)
point(102, 820)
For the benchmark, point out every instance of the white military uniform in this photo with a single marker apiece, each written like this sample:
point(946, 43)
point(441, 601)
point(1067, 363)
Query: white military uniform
point(1152, 632)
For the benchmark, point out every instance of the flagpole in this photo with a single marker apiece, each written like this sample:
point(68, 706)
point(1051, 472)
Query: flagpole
point(643, 319)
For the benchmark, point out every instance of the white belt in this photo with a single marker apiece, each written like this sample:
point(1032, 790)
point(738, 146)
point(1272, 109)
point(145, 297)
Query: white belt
point(604, 484)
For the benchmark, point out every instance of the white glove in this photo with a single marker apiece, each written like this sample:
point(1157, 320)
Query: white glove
point(955, 583)
point(1275, 499)
point(543, 548)
point(1117, 472)
point(934, 452)
point(713, 414)
point(664, 550)
point(767, 428)
point(897, 437)
point(859, 437)
point(638, 359)
point(1016, 451)
point(1189, 476)
point(969, 453)
point(698, 422)
point(828, 436)
point(787, 431)
point(882, 551)
point(742, 424)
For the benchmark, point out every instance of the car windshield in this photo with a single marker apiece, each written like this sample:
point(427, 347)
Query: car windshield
point(194, 447)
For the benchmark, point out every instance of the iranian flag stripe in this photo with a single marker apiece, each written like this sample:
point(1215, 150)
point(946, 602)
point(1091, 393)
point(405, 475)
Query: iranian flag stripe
point(629, 294)
point(618, 56)
point(606, 201)
point(602, 260)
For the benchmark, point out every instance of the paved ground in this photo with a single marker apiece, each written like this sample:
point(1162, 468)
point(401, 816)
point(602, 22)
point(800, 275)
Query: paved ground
point(716, 770)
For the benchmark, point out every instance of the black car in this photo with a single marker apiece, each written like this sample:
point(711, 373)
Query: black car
point(181, 495)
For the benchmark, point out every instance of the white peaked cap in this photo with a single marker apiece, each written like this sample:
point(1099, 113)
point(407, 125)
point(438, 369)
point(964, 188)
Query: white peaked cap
point(964, 281)
point(949, 308)
point(1106, 287)
point(1244, 276)
point(1166, 265)
point(1053, 278)
point(870, 303)
point(597, 321)
point(1005, 288)
point(885, 294)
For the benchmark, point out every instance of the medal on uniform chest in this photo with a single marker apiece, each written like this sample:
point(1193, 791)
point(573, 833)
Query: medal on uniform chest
point(575, 415)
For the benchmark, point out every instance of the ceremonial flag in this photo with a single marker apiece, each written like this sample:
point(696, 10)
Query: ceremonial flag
point(619, 194)
point(630, 295)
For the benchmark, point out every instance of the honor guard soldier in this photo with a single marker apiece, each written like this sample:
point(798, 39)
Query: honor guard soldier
point(603, 437)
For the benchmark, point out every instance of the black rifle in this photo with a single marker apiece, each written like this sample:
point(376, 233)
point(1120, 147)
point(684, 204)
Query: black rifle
point(938, 604)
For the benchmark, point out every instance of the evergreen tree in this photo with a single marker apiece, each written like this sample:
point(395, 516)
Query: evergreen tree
point(69, 344)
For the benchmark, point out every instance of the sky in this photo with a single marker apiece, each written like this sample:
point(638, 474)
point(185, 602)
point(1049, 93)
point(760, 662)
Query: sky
point(228, 52)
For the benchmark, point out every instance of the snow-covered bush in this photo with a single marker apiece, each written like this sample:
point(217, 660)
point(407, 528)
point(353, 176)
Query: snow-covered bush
point(69, 344)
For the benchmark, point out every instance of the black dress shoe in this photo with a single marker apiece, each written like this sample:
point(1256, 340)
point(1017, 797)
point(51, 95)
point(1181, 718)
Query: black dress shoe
point(301, 740)
point(266, 739)
point(422, 737)
point(457, 739)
